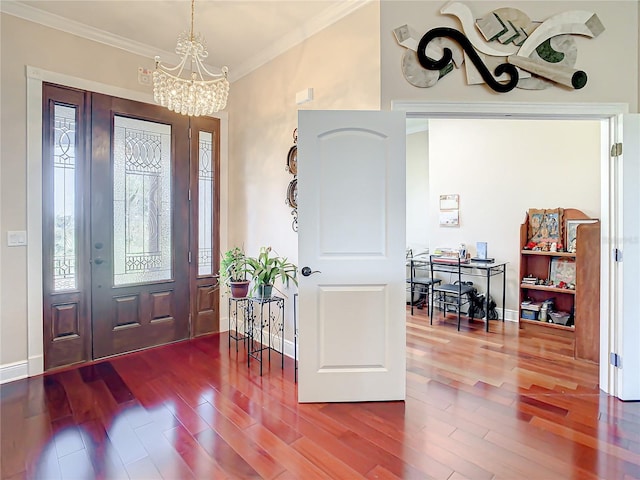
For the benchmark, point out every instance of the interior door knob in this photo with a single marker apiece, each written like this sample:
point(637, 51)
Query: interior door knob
point(98, 261)
point(306, 271)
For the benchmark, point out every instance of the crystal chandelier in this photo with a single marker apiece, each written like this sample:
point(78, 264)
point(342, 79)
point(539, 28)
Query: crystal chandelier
point(199, 92)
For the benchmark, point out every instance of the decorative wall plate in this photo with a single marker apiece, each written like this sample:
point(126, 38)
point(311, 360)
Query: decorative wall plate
point(292, 160)
point(292, 193)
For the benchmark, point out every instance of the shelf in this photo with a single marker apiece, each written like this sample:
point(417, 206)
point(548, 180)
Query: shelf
point(547, 325)
point(548, 254)
point(544, 288)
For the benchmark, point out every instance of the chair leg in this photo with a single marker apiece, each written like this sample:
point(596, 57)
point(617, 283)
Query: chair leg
point(411, 297)
point(431, 301)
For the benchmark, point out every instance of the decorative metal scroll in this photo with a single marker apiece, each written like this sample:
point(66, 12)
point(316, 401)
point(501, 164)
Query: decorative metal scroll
point(466, 45)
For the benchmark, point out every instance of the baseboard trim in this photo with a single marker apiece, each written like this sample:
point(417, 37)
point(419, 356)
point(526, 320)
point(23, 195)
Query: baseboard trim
point(13, 371)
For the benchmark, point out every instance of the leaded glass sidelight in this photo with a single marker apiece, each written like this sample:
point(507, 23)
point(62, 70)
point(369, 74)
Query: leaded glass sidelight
point(141, 201)
point(205, 203)
point(64, 199)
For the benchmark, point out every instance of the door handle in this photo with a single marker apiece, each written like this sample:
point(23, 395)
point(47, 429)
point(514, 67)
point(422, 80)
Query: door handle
point(306, 271)
point(98, 261)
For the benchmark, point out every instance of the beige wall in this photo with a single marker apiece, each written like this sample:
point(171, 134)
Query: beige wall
point(262, 110)
point(342, 65)
point(610, 60)
point(263, 114)
point(25, 43)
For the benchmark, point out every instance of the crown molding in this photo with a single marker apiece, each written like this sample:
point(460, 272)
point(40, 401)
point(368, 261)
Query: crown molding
point(309, 28)
point(295, 37)
point(78, 29)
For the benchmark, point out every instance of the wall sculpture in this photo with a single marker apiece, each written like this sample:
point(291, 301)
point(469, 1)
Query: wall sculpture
point(503, 49)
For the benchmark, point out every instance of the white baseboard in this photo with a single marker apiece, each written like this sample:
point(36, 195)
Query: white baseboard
point(275, 341)
point(13, 371)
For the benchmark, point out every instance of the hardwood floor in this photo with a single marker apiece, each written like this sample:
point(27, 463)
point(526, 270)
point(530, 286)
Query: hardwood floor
point(500, 405)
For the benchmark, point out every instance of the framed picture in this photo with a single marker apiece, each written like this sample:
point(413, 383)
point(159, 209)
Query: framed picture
point(562, 270)
point(571, 231)
point(545, 225)
point(449, 202)
point(449, 218)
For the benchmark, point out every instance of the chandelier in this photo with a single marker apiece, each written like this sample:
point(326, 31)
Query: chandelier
point(198, 92)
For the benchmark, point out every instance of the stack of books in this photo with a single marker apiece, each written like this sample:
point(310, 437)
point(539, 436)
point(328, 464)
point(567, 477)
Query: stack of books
point(530, 280)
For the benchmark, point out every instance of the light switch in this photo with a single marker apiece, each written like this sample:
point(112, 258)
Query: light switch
point(16, 238)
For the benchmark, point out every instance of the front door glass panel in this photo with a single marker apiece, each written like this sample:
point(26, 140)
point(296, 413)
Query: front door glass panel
point(205, 203)
point(141, 201)
point(64, 199)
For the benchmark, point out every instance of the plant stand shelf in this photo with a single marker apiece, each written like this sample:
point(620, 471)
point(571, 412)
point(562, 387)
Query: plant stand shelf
point(265, 314)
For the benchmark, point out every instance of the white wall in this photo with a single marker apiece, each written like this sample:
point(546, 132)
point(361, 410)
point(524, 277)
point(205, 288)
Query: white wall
point(502, 168)
point(610, 60)
point(418, 205)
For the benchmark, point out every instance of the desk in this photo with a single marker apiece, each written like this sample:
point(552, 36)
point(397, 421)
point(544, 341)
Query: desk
point(477, 269)
point(265, 313)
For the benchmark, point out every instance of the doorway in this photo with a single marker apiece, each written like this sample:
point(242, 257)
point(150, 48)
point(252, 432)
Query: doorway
point(609, 117)
point(127, 198)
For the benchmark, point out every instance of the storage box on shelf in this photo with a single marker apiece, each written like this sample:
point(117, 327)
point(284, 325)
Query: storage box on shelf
point(576, 311)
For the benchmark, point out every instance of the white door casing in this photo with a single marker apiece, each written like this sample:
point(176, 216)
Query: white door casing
point(628, 241)
point(351, 206)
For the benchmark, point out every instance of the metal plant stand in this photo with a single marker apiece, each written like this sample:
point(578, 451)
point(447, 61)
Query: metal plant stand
point(266, 319)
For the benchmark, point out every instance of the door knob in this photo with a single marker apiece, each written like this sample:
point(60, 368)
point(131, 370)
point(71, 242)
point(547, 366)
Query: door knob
point(98, 261)
point(306, 271)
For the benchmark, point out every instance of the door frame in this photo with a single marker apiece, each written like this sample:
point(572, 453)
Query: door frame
point(609, 115)
point(35, 78)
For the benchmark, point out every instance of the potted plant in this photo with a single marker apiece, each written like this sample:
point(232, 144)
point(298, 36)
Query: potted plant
point(268, 267)
point(233, 272)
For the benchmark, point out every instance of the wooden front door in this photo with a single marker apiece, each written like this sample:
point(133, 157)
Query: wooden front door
point(118, 230)
point(139, 226)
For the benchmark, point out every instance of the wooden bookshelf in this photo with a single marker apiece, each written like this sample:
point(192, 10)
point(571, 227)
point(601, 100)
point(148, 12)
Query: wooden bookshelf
point(583, 301)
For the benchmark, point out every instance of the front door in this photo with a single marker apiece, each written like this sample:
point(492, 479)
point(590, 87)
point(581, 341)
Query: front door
point(139, 226)
point(119, 226)
point(351, 229)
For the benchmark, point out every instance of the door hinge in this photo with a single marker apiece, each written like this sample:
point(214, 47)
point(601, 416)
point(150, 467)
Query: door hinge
point(189, 132)
point(189, 257)
point(617, 255)
point(616, 149)
point(189, 195)
point(615, 360)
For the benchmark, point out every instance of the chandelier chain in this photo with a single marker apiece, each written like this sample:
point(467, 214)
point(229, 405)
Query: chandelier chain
point(193, 14)
point(199, 91)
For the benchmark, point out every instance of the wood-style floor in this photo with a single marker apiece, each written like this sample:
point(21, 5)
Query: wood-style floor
point(503, 404)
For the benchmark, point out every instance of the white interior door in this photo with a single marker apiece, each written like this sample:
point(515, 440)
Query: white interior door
point(351, 232)
point(628, 331)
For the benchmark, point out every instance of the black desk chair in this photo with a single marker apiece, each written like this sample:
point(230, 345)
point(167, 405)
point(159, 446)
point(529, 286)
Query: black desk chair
point(453, 295)
point(420, 287)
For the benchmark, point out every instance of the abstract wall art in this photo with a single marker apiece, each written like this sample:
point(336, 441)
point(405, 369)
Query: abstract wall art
point(503, 49)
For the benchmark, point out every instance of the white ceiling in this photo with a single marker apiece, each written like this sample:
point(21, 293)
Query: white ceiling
point(239, 34)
